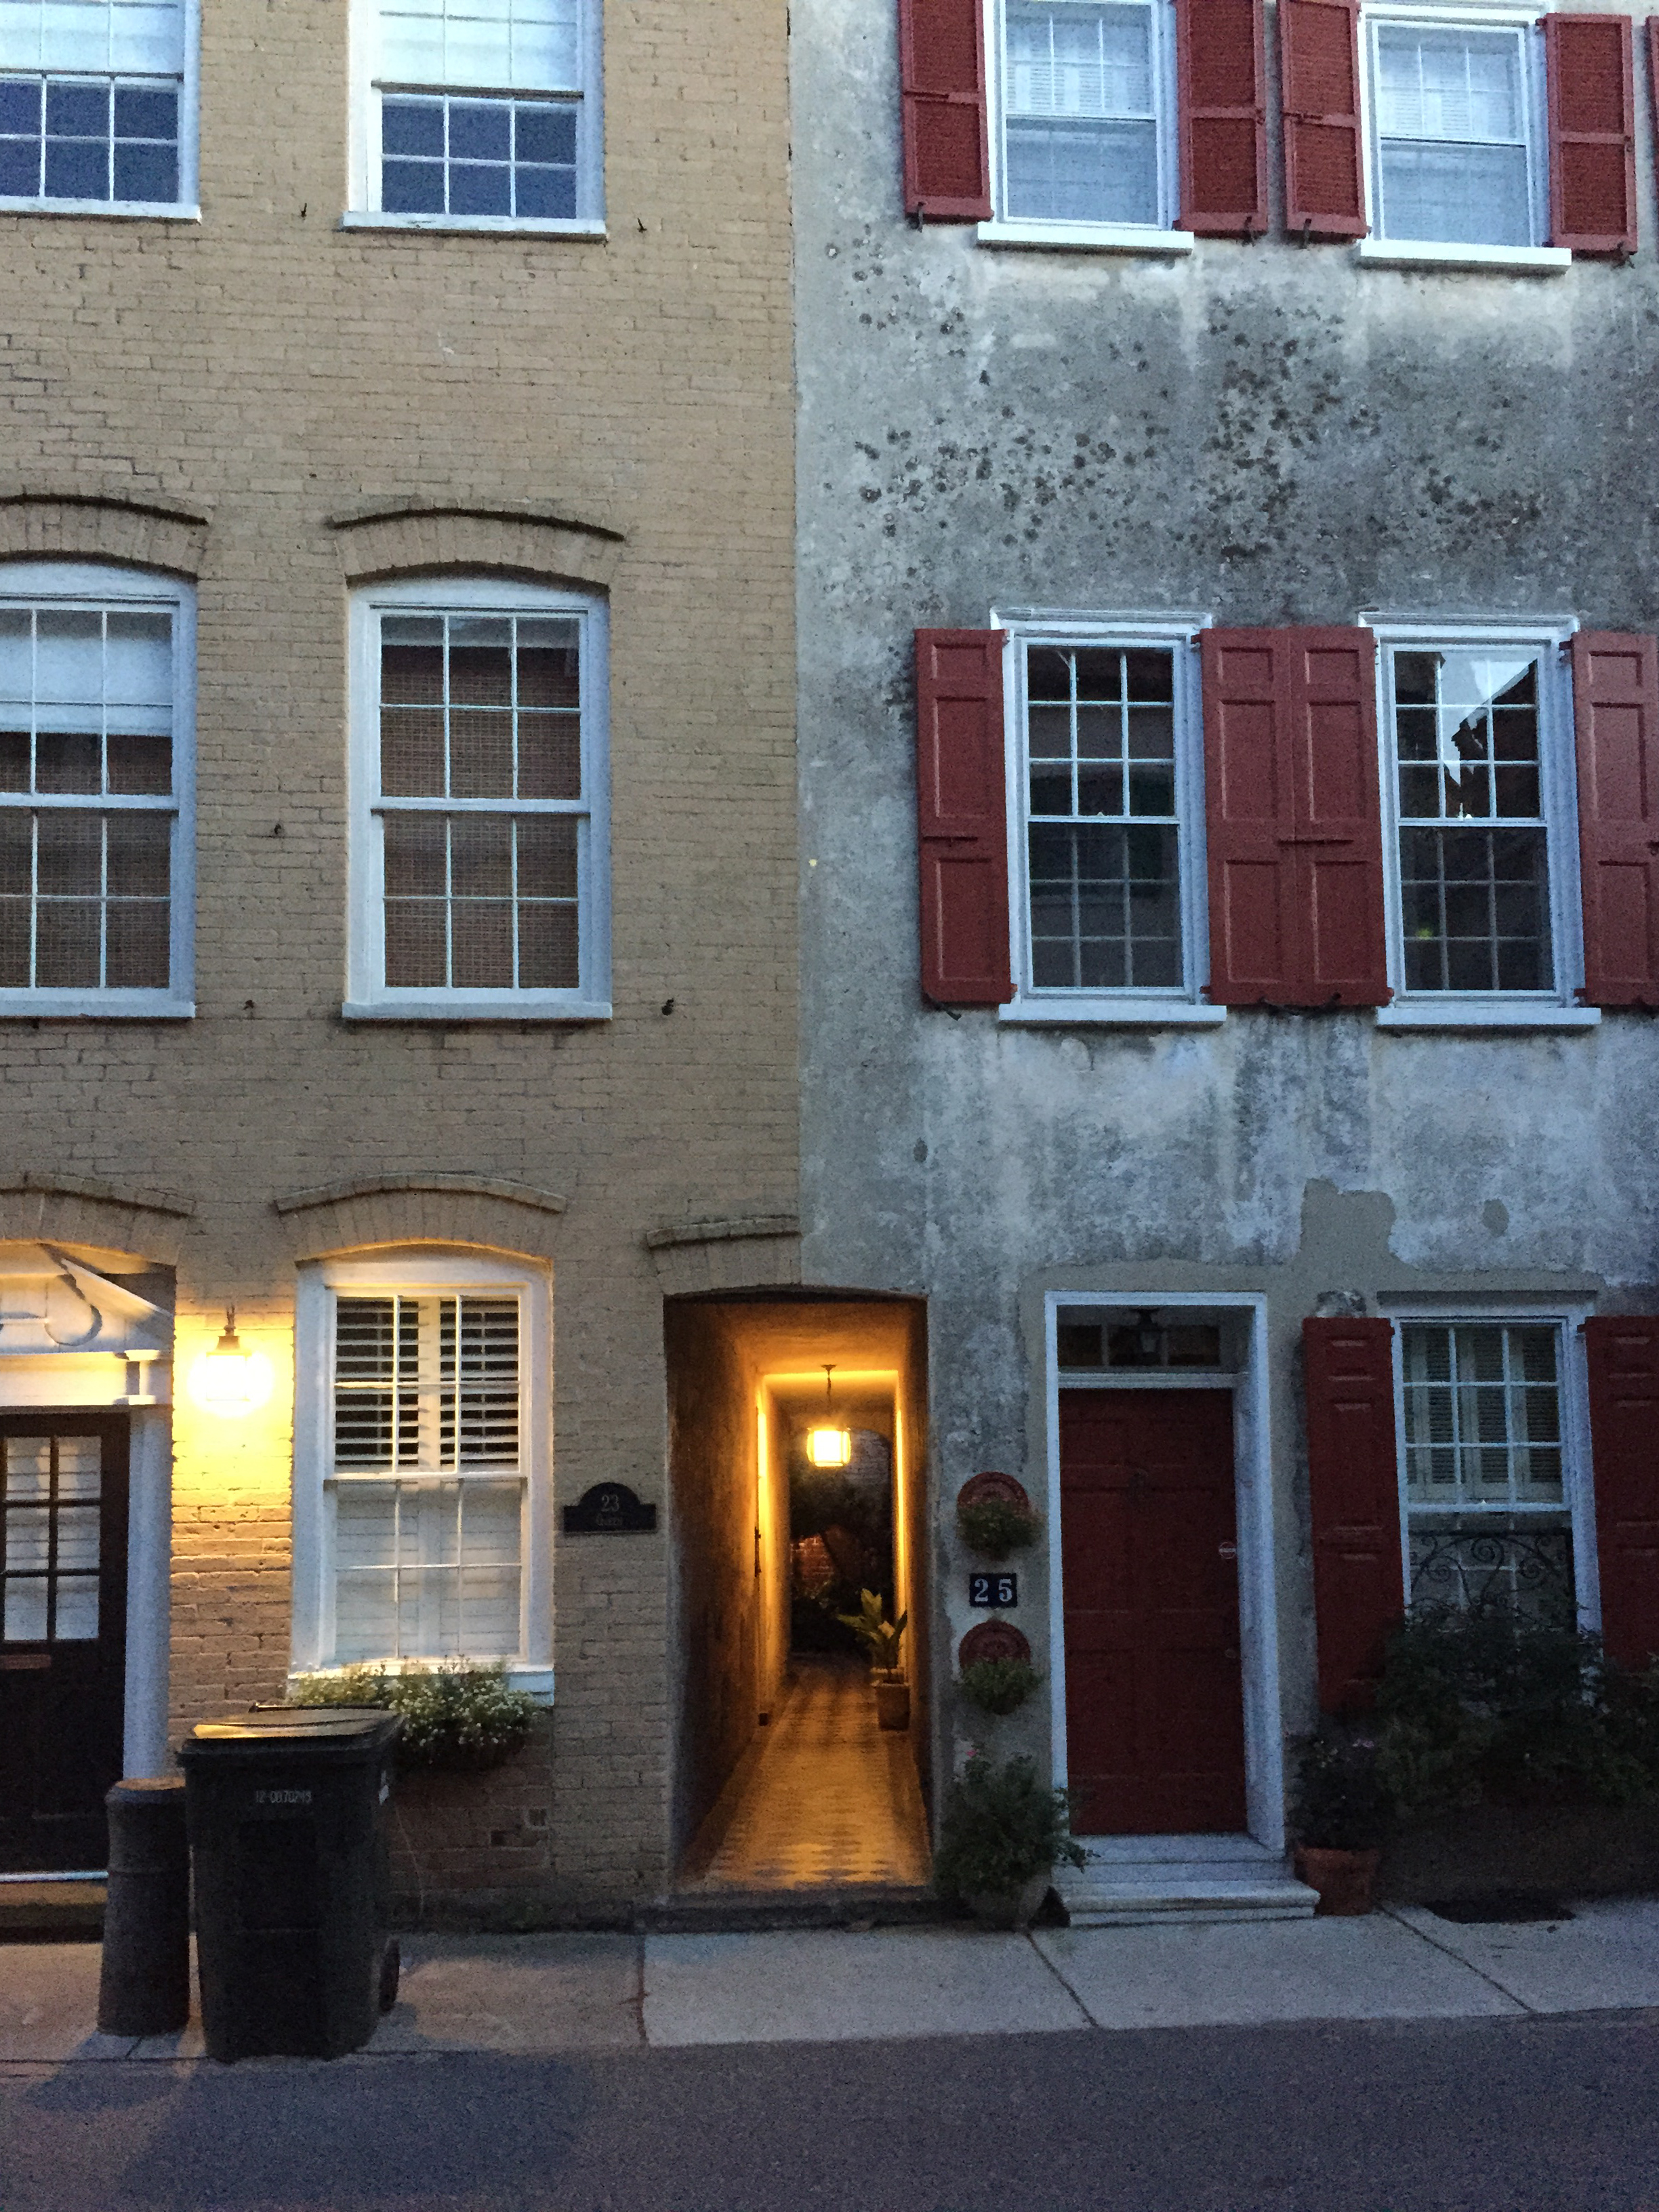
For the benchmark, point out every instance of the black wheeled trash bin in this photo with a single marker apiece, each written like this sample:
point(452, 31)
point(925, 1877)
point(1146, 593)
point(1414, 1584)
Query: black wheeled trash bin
point(287, 1816)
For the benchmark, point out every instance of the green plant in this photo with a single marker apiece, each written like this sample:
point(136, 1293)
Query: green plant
point(880, 1637)
point(998, 1685)
point(996, 1525)
point(1342, 1803)
point(455, 1718)
point(1000, 1827)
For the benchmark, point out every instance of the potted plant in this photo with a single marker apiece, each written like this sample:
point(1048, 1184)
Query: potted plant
point(881, 1639)
point(1341, 1816)
point(995, 1514)
point(1002, 1833)
point(998, 1686)
point(457, 1719)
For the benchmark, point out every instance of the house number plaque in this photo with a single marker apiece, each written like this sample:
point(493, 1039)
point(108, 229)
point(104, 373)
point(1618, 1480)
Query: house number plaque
point(997, 1590)
point(610, 1509)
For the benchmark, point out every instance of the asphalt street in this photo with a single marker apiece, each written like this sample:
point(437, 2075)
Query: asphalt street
point(1557, 2115)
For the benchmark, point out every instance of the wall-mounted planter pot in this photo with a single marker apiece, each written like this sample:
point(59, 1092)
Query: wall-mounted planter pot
point(992, 1639)
point(995, 1515)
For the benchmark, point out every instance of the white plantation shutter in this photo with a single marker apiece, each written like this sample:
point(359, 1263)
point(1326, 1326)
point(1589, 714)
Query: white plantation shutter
point(428, 1476)
point(508, 46)
point(126, 38)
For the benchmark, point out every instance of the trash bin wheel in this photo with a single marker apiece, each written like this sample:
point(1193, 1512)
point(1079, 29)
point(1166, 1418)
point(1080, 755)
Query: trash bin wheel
point(391, 1968)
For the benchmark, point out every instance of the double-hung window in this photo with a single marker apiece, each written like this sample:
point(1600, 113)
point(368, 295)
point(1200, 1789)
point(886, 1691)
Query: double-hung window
point(421, 1463)
point(1479, 790)
point(1106, 811)
point(1457, 147)
point(1494, 1486)
point(479, 114)
point(479, 862)
point(95, 788)
point(1083, 132)
point(97, 104)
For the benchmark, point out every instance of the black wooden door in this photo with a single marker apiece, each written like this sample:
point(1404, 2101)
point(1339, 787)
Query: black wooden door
point(62, 1634)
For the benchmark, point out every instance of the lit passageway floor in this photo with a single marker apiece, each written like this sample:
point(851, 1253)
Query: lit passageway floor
point(825, 1796)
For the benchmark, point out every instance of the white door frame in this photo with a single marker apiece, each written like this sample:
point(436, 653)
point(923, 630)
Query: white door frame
point(1258, 1610)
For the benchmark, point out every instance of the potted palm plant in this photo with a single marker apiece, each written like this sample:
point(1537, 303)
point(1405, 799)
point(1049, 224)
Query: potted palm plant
point(882, 1639)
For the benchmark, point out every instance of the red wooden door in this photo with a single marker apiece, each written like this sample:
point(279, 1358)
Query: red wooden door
point(1154, 1707)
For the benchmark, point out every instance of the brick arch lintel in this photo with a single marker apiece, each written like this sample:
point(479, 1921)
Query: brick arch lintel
point(409, 538)
point(483, 1213)
point(129, 532)
point(147, 1224)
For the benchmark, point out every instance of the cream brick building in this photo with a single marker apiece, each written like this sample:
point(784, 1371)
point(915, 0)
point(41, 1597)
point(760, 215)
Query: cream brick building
point(322, 378)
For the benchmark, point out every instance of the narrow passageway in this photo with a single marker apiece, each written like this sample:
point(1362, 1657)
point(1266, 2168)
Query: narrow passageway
point(824, 1795)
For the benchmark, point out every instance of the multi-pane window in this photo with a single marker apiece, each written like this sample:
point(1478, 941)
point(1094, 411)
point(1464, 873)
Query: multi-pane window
point(1082, 111)
point(427, 1476)
point(92, 100)
point(1474, 845)
point(482, 789)
point(1453, 133)
point(50, 1494)
point(1487, 1511)
point(483, 109)
point(1103, 848)
point(90, 796)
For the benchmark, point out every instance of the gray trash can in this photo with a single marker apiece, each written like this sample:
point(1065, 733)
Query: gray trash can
point(287, 1816)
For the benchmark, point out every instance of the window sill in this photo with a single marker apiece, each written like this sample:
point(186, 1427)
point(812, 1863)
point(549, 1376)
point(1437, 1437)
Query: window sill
point(1087, 237)
point(1464, 1014)
point(94, 1007)
point(478, 1010)
point(507, 226)
point(1111, 1013)
point(113, 210)
point(1421, 253)
point(535, 1682)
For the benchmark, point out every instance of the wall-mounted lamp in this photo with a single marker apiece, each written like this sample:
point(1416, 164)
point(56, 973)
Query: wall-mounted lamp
point(829, 1446)
point(230, 1379)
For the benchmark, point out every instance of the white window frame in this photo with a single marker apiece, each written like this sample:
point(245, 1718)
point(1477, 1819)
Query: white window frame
point(1160, 238)
point(408, 1272)
point(1578, 1480)
point(1557, 1007)
point(369, 996)
point(187, 208)
point(1536, 259)
point(87, 585)
point(1048, 1005)
point(364, 211)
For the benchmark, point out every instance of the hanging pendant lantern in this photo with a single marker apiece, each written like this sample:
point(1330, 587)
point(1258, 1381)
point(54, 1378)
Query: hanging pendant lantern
point(828, 1445)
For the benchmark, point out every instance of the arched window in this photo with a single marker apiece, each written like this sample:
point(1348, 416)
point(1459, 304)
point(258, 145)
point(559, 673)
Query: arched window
point(97, 688)
point(480, 866)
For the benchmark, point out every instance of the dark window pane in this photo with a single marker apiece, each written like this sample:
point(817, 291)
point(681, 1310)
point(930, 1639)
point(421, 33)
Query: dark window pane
point(143, 762)
point(1151, 791)
point(1419, 791)
point(144, 111)
point(14, 759)
point(1524, 689)
point(66, 760)
point(13, 940)
point(1051, 732)
point(415, 938)
point(475, 189)
point(1102, 964)
point(1521, 965)
point(1150, 676)
point(1468, 967)
point(1051, 791)
point(412, 674)
point(412, 187)
point(550, 195)
point(415, 855)
point(76, 169)
point(70, 853)
point(17, 851)
point(547, 857)
point(480, 130)
point(1518, 791)
point(412, 126)
point(1099, 791)
point(137, 945)
point(481, 753)
point(549, 676)
point(549, 756)
point(1414, 677)
point(139, 848)
point(412, 752)
point(1152, 733)
point(482, 940)
point(20, 105)
point(66, 934)
point(1099, 732)
point(146, 172)
point(481, 863)
point(1415, 728)
point(481, 675)
point(1048, 673)
point(547, 948)
point(78, 111)
point(545, 134)
point(1099, 674)
point(20, 169)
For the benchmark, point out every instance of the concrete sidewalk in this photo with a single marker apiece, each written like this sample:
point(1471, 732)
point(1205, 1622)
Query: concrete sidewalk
point(536, 1994)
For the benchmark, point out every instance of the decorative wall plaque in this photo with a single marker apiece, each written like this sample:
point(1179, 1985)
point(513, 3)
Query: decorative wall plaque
point(610, 1509)
point(981, 1489)
point(992, 1639)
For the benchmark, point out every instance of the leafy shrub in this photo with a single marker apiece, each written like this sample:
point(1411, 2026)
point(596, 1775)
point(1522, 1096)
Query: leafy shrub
point(455, 1718)
point(995, 1525)
point(880, 1637)
point(1342, 1803)
point(1487, 1707)
point(998, 1685)
point(1000, 1827)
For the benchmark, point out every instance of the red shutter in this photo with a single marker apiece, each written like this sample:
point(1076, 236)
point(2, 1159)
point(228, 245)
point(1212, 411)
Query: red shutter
point(962, 817)
point(1354, 1488)
point(1221, 65)
point(1615, 712)
point(1592, 88)
point(1319, 71)
point(947, 162)
point(1293, 825)
point(1623, 1351)
point(1653, 69)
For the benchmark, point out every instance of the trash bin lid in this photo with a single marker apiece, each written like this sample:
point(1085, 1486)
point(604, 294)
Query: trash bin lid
point(309, 1730)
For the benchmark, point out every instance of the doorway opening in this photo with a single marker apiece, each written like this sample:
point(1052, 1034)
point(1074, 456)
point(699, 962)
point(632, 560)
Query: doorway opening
point(798, 1505)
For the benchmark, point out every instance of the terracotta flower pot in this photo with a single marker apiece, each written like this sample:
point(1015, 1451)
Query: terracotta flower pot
point(892, 1701)
point(1343, 1879)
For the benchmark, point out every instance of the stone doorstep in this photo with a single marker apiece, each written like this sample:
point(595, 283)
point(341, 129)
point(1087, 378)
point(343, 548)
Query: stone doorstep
point(736, 1911)
point(45, 1911)
point(1122, 1887)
